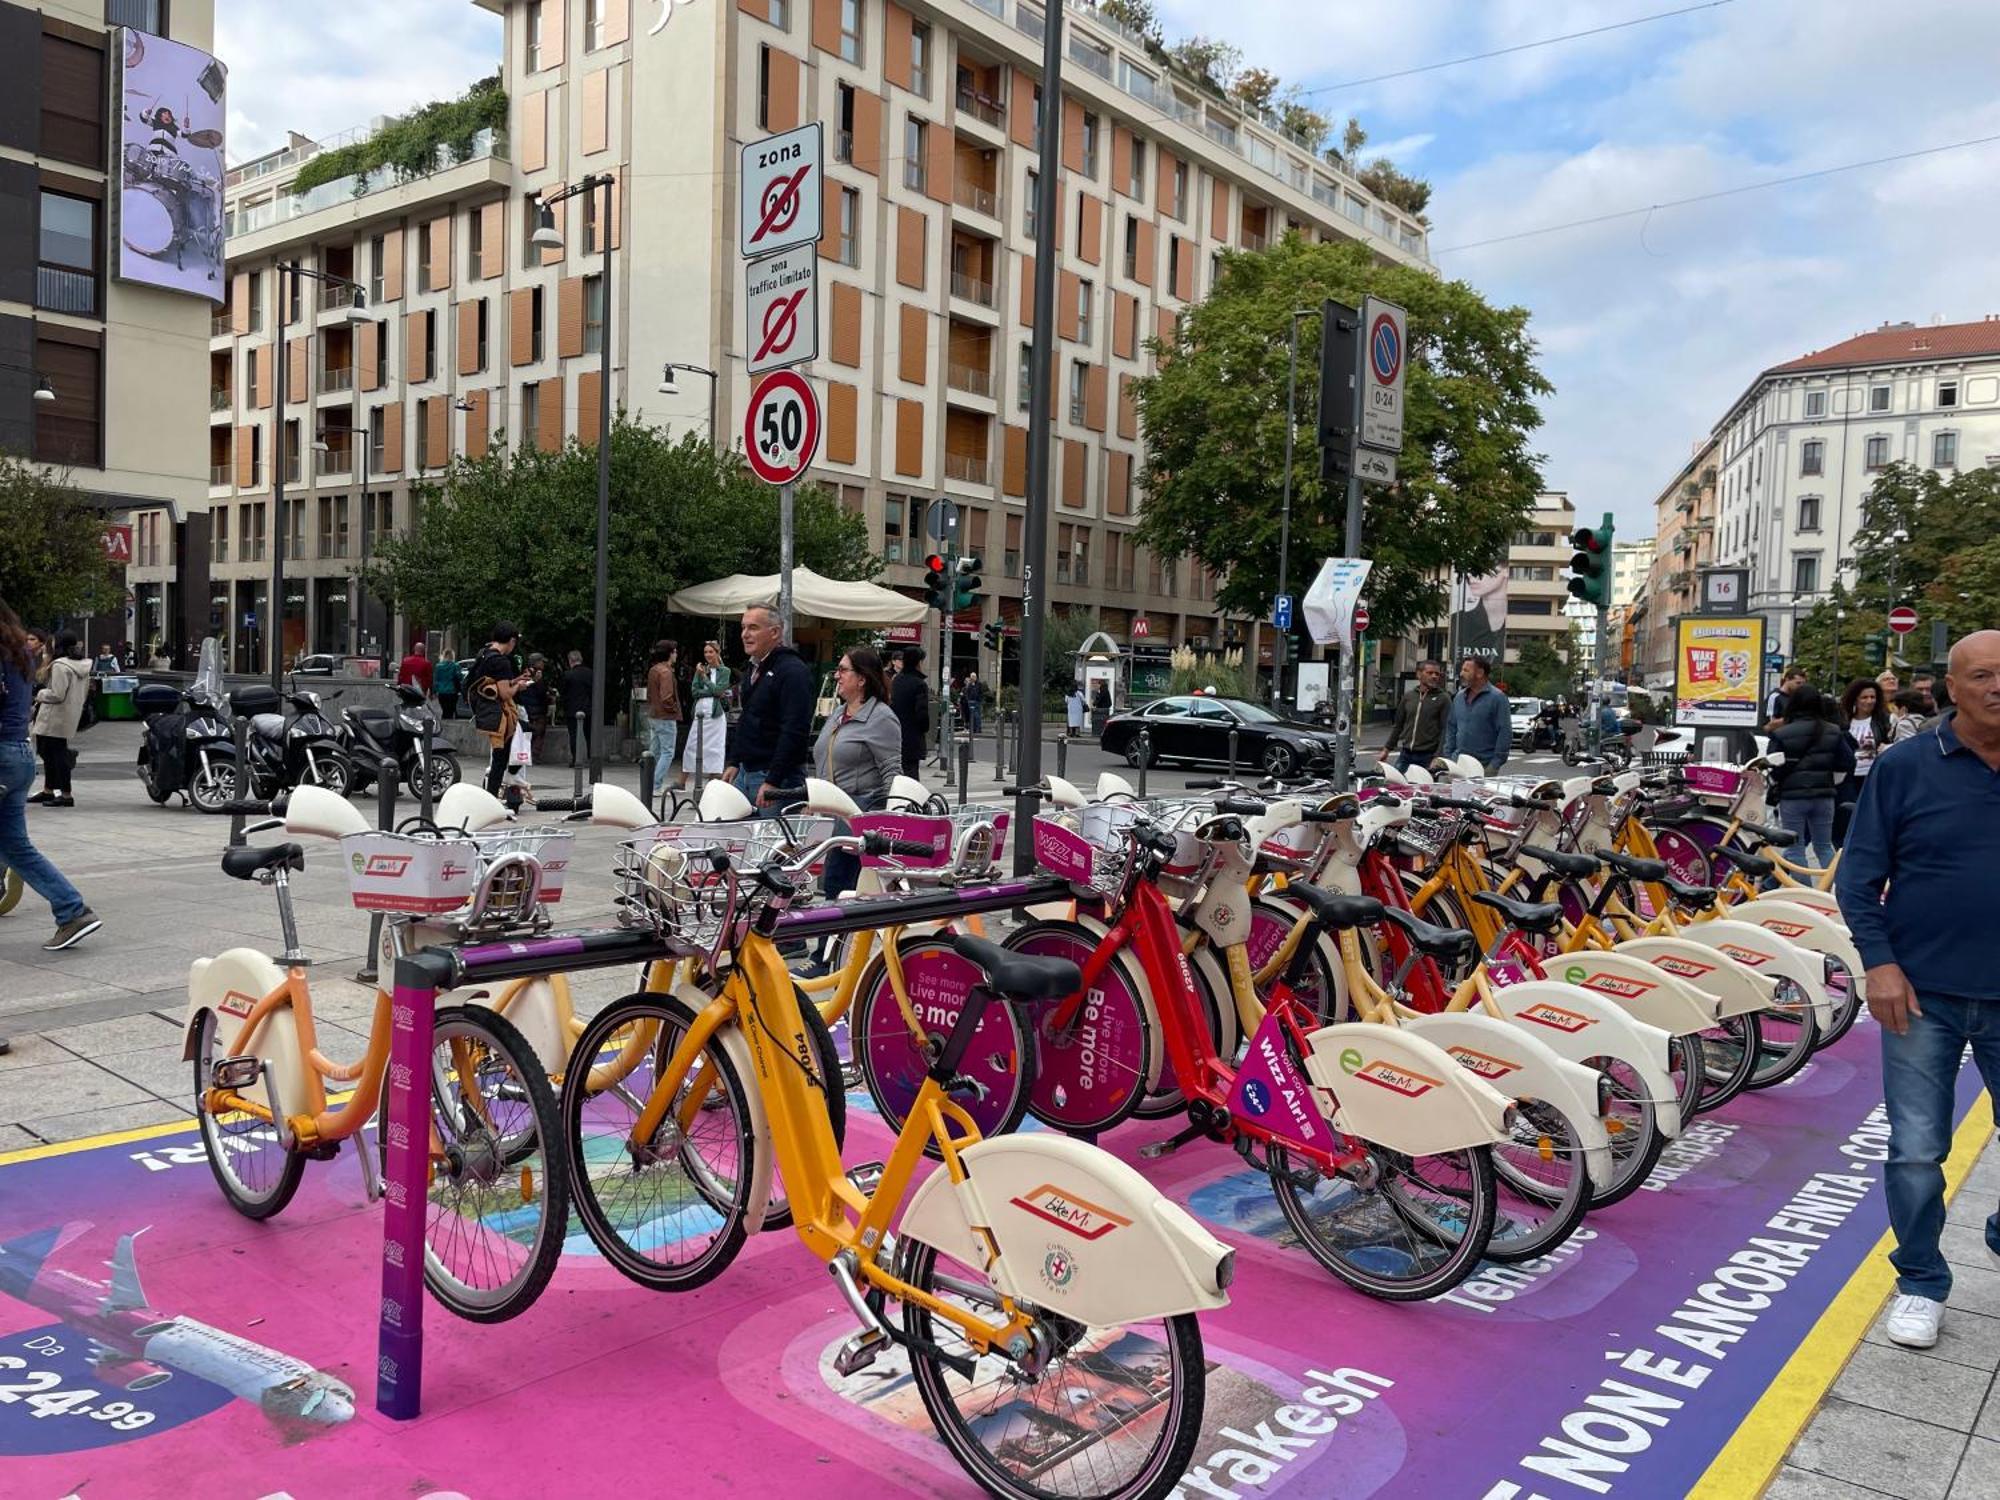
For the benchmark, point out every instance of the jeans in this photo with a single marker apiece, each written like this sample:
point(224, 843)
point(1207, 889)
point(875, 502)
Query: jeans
point(17, 772)
point(972, 716)
point(750, 783)
point(1919, 1078)
point(1811, 818)
point(666, 739)
point(1407, 758)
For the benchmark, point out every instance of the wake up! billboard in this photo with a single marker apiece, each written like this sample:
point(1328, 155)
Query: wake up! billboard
point(170, 218)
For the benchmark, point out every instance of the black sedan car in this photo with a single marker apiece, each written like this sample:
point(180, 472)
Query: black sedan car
point(1197, 729)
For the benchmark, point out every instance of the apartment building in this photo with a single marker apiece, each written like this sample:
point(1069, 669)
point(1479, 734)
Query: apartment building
point(1683, 544)
point(1798, 451)
point(100, 371)
point(930, 113)
point(1538, 575)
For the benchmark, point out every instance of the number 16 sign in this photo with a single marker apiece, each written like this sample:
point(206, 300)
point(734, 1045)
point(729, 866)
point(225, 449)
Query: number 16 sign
point(781, 429)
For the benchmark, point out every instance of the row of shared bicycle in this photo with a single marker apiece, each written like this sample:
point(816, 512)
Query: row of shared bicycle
point(1443, 1017)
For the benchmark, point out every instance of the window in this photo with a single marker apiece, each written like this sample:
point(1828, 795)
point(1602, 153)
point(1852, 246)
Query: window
point(1944, 450)
point(250, 536)
point(333, 526)
point(1079, 384)
point(429, 371)
point(1809, 513)
point(1131, 248)
point(533, 20)
point(1878, 398)
point(1180, 189)
point(293, 289)
point(475, 243)
point(378, 262)
point(292, 458)
point(73, 93)
point(378, 446)
point(1815, 403)
point(1531, 606)
point(1023, 377)
point(256, 294)
point(482, 311)
point(1875, 453)
point(1174, 287)
point(536, 324)
point(593, 314)
point(1030, 199)
point(68, 430)
point(218, 535)
point(843, 137)
point(1083, 307)
point(916, 140)
point(593, 214)
point(892, 530)
point(1805, 573)
point(1135, 184)
point(777, 12)
point(1090, 145)
point(531, 413)
point(850, 30)
point(1812, 456)
point(764, 91)
point(249, 378)
point(66, 278)
point(847, 244)
point(1947, 393)
point(141, 15)
point(593, 24)
point(920, 59)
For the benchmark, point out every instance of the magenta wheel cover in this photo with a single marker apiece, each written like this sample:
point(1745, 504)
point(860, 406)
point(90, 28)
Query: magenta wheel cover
point(1092, 1073)
point(938, 981)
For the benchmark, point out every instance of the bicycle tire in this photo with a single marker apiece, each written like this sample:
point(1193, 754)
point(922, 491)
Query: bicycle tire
point(1462, 1245)
point(253, 1202)
point(1781, 1056)
point(1540, 1220)
point(1637, 1142)
point(515, 1151)
point(1687, 1065)
point(893, 1067)
point(592, 1155)
point(1324, 992)
point(778, 1210)
point(1729, 1056)
point(1847, 1008)
point(1158, 1466)
point(1048, 1099)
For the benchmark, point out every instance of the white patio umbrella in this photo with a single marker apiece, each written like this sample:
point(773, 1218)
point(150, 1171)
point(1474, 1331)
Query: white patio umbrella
point(824, 598)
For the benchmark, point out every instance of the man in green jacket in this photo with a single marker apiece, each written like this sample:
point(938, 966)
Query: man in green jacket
point(1419, 728)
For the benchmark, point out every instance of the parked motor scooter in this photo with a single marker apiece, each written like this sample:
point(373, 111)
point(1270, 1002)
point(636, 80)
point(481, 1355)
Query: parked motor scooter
point(308, 749)
point(398, 734)
point(187, 748)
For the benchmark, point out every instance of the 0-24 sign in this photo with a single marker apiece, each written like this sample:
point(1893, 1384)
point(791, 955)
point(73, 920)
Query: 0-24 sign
point(781, 428)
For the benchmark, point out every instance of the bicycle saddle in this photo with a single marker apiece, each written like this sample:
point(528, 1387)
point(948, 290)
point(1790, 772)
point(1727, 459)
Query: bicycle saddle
point(1528, 916)
point(1635, 867)
point(1777, 838)
point(1578, 866)
point(1756, 866)
point(1699, 897)
point(1676, 813)
point(1018, 976)
point(1439, 942)
point(1332, 909)
point(244, 863)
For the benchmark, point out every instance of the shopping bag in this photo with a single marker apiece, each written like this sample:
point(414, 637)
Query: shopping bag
point(523, 752)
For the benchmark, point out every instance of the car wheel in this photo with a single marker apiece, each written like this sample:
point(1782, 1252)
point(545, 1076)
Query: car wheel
point(1140, 753)
point(1278, 759)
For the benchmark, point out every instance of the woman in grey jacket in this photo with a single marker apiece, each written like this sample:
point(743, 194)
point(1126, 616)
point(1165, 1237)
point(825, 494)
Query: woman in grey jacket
point(58, 711)
point(859, 750)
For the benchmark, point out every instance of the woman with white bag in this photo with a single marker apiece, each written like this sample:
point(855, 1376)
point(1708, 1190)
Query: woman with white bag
point(708, 732)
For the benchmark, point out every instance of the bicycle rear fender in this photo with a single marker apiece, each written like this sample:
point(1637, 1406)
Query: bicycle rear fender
point(826, 798)
point(1525, 1067)
point(1393, 1088)
point(1581, 1025)
point(1077, 1231)
point(1811, 898)
point(1808, 928)
point(1737, 988)
point(1647, 993)
point(533, 1008)
point(230, 985)
point(1769, 954)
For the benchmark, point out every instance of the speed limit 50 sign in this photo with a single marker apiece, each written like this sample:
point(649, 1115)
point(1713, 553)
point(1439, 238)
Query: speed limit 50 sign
point(781, 429)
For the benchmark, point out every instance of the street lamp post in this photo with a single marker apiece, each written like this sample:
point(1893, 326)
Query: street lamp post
point(548, 237)
point(1285, 516)
point(357, 312)
point(671, 387)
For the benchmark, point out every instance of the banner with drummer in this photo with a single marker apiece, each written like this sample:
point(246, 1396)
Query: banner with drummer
point(1716, 670)
point(170, 218)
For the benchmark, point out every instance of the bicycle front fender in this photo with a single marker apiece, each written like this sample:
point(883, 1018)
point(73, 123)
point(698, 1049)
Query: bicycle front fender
point(230, 985)
point(1395, 1089)
point(1074, 1230)
point(1738, 989)
point(1581, 1025)
point(1525, 1067)
point(1645, 991)
point(1806, 927)
point(1770, 954)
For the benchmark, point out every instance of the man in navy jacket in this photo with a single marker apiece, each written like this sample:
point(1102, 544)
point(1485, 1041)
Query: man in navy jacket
point(1479, 725)
point(774, 733)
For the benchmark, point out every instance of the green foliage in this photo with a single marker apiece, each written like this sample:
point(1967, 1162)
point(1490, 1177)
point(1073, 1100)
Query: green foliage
point(1134, 15)
point(1207, 61)
point(1062, 636)
point(1353, 137)
point(1397, 188)
point(1540, 672)
point(1214, 416)
point(408, 145)
point(1926, 530)
point(514, 535)
point(1815, 633)
point(1222, 671)
point(1305, 122)
point(52, 561)
point(1255, 87)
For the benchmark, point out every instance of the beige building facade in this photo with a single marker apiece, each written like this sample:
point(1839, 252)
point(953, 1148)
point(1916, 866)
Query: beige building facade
point(1684, 514)
point(925, 285)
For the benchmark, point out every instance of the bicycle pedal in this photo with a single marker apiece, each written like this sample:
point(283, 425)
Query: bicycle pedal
point(235, 1073)
point(859, 1352)
point(866, 1175)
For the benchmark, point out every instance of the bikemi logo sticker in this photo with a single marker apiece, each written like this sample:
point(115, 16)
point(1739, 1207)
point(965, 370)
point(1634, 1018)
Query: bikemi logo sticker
point(1686, 968)
point(1484, 1064)
point(1555, 1017)
point(1065, 1210)
point(382, 866)
point(1616, 985)
point(1398, 1080)
point(1746, 956)
point(1783, 928)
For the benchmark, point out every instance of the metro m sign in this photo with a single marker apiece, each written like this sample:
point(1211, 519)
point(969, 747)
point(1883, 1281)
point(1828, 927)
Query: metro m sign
point(118, 545)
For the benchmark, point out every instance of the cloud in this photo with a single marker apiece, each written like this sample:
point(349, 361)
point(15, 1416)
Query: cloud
point(1401, 149)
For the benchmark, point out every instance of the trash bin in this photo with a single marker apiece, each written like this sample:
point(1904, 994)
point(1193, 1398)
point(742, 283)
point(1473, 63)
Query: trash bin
point(115, 697)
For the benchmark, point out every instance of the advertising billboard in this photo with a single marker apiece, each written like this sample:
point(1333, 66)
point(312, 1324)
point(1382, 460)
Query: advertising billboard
point(170, 222)
point(1716, 677)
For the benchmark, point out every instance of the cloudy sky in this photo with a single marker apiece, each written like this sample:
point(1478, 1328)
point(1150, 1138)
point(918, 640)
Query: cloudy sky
point(1648, 324)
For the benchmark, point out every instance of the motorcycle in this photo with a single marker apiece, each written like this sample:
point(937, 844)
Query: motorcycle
point(308, 749)
point(186, 747)
point(398, 734)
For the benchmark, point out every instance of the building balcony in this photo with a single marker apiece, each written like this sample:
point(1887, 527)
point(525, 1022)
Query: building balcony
point(221, 325)
point(448, 177)
point(336, 380)
point(964, 468)
point(975, 380)
point(980, 200)
point(333, 297)
point(1251, 241)
point(334, 461)
point(971, 289)
point(221, 475)
point(64, 291)
point(981, 107)
point(218, 398)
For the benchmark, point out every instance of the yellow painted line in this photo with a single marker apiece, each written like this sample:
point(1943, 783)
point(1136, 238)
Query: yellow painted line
point(1753, 1454)
point(93, 1142)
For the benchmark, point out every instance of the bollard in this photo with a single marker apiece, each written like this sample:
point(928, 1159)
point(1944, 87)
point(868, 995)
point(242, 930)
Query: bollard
point(386, 773)
point(646, 777)
point(240, 731)
point(576, 766)
point(1000, 747)
point(1145, 757)
point(1232, 755)
point(700, 760)
point(964, 768)
point(1062, 756)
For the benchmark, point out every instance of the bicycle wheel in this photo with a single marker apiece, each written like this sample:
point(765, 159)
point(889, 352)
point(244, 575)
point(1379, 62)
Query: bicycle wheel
point(1543, 1183)
point(1790, 1033)
point(255, 1172)
point(1687, 1066)
point(1104, 1414)
point(1441, 910)
point(1090, 1074)
point(1166, 1098)
point(1634, 1127)
point(1320, 989)
point(1417, 1229)
point(1729, 1051)
point(669, 1212)
point(1846, 1001)
point(999, 1067)
point(498, 1192)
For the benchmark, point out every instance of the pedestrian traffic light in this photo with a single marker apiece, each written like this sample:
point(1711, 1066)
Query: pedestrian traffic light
point(996, 636)
point(937, 583)
point(968, 583)
point(1590, 566)
point(1875, 646)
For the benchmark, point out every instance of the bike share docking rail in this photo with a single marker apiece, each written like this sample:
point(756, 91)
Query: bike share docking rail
point(1673, 1346)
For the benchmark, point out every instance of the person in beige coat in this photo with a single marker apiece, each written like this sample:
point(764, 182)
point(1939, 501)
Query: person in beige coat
point(58, 711)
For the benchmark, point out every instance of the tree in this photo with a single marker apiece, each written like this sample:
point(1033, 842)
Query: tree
point(1353, 138)
point(1063, 636)
point(52, 560)
point(1540, 671)
point(1303, 121)
point(1207, 61)
point(1255, 88)
point(1839, 618)
point(1397, 188)
point(1214, 417)
point(514, 535)
point(1134, 15)
point(1915, 525)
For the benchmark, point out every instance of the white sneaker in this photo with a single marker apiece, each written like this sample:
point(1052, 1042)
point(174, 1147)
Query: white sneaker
point(1913, 1321)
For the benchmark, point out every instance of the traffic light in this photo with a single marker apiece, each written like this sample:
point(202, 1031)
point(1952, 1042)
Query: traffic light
point(968, 583)
point(1590, 567)
point(1875, 647)
point(937, 583)
point(1339, 369)
point(996, 636)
